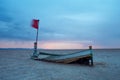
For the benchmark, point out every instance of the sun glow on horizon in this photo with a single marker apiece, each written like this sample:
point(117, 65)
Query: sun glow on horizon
point(44, 44)
point(62, 45)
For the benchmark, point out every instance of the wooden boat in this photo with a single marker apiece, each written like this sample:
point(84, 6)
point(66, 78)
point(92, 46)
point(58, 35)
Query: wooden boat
point(82, 57)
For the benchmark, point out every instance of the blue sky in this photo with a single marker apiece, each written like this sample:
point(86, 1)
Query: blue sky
point(63, 23)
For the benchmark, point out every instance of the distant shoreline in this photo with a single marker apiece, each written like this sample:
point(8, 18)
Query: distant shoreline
point(57, 49)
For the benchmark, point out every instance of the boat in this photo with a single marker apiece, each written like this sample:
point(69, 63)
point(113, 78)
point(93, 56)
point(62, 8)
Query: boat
point(82, 57)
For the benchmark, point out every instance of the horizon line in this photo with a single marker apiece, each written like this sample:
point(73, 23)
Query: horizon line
point(61, 49)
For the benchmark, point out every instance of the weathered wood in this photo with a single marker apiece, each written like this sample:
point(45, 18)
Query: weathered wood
point(82, 57)
point(90, 47)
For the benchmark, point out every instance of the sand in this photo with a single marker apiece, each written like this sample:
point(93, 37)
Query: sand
point(17, 65)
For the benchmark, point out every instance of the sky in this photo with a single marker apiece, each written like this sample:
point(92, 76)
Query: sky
point(64, 24)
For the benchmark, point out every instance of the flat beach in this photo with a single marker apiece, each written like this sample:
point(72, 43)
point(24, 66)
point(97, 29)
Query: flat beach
point(15, 64)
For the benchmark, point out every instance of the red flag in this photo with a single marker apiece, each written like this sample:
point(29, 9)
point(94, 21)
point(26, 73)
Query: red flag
point(35, 23)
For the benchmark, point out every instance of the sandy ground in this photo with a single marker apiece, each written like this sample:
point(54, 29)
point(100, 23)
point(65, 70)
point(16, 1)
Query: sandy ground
point(17, 65)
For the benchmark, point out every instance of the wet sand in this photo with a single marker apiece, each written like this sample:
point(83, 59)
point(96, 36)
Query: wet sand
point(17, 65)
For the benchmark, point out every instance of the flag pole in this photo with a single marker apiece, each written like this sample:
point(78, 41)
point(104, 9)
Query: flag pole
point(37, 36)
point(35, 54)
point(36, 43)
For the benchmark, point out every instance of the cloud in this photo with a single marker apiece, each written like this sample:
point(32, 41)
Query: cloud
point(95, 20)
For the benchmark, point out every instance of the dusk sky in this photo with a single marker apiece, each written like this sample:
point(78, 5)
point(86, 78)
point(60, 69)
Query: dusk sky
point(64, 24)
